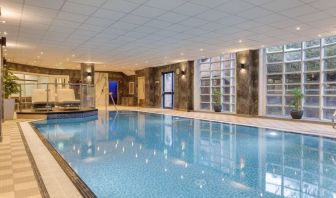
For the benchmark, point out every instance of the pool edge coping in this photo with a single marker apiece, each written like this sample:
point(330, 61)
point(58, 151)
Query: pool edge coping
point(78, 183)
point(42, 188)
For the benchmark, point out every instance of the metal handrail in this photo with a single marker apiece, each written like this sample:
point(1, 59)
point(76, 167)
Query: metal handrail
point(115, 106)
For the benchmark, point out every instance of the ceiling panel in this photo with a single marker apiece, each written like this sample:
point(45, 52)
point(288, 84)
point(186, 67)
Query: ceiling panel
point(132, 34)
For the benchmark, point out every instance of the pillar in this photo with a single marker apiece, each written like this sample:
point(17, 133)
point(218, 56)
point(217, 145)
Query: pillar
point(247, 83)
point(87, 73)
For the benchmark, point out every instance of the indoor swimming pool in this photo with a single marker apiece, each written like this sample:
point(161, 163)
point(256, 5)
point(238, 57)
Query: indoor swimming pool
point(138, 154)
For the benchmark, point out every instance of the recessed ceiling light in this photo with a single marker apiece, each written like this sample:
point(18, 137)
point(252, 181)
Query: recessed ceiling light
point(319, 35)
point(298, 28)
point(73, 55)
point(240, 41)
point(41, 53)
point(201, 49)
point(3, 22)
point(5, 33)
point(262, 46)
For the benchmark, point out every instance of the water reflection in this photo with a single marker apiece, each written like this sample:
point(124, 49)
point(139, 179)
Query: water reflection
point(203, 154)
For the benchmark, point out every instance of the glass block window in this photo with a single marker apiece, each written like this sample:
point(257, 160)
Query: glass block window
point(310, 66)
point(218, 73)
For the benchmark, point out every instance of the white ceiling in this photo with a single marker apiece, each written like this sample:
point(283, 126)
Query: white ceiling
point(124, 35)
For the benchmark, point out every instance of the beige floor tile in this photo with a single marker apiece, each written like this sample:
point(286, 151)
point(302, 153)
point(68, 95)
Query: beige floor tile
point(7, 195)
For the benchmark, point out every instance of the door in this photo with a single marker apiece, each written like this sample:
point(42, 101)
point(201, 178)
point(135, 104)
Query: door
point(168, 90)
point(113, 88)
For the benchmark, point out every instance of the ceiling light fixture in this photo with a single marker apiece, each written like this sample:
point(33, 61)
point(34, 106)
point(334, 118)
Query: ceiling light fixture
point(319, 35)
point(181, 53)
point(73, 55)
point(201, 49)
point(41, 53)
point(5, 33)
point(298, 28)
point(240, 41)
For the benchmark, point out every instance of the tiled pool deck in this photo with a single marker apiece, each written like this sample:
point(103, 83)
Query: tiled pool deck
point(18, 179)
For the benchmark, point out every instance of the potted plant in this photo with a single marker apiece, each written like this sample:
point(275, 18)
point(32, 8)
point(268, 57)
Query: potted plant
point(296, 111)
point(216, 99)
point(10, 86)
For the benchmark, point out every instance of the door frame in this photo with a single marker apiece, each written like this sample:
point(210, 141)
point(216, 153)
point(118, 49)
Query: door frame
point(171, 92)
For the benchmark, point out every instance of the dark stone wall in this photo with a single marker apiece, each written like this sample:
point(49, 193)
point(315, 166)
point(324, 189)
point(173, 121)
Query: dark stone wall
point(247, 84)
point(183, 85)
point(74, 75)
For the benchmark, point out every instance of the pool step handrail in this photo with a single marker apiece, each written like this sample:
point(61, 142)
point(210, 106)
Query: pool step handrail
point(114, 104)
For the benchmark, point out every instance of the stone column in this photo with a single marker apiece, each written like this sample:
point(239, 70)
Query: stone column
point(87, 73)
point(149, 75)
point(247, 82)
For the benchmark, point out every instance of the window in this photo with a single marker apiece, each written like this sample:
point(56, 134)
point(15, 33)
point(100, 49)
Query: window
point(310, 66)
point(217, 73)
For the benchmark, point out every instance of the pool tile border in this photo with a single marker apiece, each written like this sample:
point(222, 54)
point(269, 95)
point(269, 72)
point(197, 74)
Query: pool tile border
point(81, 186)
point(42, 188)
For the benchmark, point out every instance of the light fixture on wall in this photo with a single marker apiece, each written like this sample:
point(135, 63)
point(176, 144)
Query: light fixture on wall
point(242, 66)
point(89, 74)
point(183, 72)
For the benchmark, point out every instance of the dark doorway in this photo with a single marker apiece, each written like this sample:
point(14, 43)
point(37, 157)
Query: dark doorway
point(168, 90)
point(113, 88)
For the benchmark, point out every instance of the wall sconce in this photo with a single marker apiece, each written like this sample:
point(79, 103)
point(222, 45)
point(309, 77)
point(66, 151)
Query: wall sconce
point(242, 66)
point(183, 72)
point(89, 74)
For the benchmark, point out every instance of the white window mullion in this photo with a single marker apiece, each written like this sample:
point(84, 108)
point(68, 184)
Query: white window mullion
point(302, 76)
point(321, 79)
point(283, 103)
point(210, 108)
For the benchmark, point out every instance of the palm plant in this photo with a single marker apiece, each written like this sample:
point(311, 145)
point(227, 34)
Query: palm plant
point(216, 98)
point(297, 98)
point(10, 86)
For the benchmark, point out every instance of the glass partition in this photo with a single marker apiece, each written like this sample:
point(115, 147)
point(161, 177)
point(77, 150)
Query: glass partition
point(36, 96)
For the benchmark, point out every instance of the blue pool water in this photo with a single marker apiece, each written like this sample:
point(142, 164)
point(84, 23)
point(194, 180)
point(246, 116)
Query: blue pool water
point(136, 154)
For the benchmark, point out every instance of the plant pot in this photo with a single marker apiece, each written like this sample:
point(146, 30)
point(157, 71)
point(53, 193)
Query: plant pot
point(217, 107)
point(9, 109)
point(296, 114)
